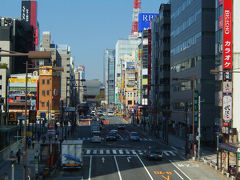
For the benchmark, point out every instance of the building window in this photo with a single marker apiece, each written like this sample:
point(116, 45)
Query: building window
point(129, 102)
point(43, 92)
point(0, 77)
point(43, 81)
point(48, 104)
point(43, 104)
point(0, 86)
point(48, 81)
point(47, 92)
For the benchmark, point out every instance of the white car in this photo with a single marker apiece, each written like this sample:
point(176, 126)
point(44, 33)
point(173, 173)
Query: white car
point(110, 113)
point(96, 139)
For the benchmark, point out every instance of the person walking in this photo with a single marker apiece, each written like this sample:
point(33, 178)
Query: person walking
point(33, 143)
point(18, 154)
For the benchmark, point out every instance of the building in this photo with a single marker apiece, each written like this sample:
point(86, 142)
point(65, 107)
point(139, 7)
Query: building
point(80, 83)
point(123, 47)
point(192, 57)
point(160, 81)
point(92, 89)
point(49, 93)
point(109, 69)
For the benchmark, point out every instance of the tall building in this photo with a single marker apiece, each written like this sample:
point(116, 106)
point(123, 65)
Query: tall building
point(80, 82)
point(192, 57)
point(160, 81)
point(109, 69)
point(123, 47)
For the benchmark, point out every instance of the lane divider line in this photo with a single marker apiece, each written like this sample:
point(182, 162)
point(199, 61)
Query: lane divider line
point(90, 168)
point(179, 169)
point(119, 174)
point(178, 175)
point(145, 167)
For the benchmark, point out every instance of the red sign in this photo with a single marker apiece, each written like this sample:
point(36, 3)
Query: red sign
point(220, 2)
point(227, 34)
point(225, 124)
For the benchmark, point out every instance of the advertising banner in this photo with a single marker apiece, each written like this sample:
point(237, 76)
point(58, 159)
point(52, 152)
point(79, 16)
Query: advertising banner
point(227, 34)
point(130, 65)
point(144, 20)
point(227, 108)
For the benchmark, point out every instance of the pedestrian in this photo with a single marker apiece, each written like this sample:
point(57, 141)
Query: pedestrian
point(18, 154)
point(29, 142)
point(44, 139)
point(33, 143)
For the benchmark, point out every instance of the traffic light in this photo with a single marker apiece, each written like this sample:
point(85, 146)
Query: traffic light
point(32, 116)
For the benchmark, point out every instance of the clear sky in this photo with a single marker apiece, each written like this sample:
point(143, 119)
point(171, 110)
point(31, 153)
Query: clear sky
point(88, 26)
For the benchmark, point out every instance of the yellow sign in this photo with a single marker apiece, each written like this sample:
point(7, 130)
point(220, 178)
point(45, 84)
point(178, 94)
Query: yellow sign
point(22, 80)
point(45, 70)
point(145, 82)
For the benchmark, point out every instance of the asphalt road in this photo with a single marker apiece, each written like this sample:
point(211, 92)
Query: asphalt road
point(126, 160)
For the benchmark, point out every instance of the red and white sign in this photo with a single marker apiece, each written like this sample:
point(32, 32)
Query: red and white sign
point(227, 34)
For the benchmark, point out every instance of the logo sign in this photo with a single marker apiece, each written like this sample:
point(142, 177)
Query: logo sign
point(227, 34)
point(227, 76)
point(227, 87)
point(227, 108)
point(225, 124)
point(144, 20)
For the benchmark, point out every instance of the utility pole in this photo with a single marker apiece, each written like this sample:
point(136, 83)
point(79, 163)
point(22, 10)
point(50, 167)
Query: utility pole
point(199, 126)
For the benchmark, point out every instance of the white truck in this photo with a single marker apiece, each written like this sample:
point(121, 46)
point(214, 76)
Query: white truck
point(71, 154)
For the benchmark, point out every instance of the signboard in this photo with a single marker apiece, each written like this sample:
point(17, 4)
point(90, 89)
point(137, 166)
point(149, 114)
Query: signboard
point(70, 109)
point(32, 116)
point(12, 116)
point(130, 65)
point(145, 82)
point(227, 34)
point(144, 20)
point(227, 76)
point(22, 80)
point(45, 70)
point(196, 106)
point(227, 87)
point(227, 108)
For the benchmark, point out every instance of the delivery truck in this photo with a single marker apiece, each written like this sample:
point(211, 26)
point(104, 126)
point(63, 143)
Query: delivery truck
point(71, 154)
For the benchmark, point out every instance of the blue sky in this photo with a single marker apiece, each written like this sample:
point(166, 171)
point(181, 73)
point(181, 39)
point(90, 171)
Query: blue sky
point(88, 26)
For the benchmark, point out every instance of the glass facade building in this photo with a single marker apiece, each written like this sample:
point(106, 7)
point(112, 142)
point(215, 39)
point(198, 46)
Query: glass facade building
point(192, 57)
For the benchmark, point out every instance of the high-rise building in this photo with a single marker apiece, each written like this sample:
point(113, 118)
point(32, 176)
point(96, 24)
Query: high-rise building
point(109, 69)
point(192, 57)
point(160, 81)
point(123, 47)
point(80, 82)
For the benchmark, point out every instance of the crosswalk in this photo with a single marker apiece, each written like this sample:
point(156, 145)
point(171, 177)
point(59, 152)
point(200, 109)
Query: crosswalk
point(121, 139)
point(123, 152)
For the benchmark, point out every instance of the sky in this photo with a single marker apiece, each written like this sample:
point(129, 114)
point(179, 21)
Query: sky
point(87, 26)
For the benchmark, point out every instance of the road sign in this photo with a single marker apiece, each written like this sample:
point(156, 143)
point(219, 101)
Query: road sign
point(69, 109)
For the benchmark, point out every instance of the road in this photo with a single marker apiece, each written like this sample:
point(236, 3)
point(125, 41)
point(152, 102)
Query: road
point(125, 159)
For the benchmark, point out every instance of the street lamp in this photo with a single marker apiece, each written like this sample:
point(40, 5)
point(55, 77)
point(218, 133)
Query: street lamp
point(30, 55)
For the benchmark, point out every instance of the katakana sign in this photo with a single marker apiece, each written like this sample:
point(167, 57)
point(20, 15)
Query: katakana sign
point(227, 108)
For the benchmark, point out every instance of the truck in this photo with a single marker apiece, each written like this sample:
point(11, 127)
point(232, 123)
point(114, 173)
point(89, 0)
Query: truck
point(95, 127)
point(71, 154)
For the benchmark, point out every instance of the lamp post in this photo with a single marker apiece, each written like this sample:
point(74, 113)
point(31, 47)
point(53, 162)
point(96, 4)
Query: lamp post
point(30, 55)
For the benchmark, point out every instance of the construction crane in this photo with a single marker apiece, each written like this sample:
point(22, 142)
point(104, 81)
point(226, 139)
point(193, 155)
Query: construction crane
point(136, 11)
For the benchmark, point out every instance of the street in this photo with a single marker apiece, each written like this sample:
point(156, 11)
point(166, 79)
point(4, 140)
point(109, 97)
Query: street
point(124, 159)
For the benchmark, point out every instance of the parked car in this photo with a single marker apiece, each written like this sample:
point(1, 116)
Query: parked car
point(113, 131)
point(96, 139)
point(154, 153)
point(134, 136)
point(110, 113)
point(111, 137)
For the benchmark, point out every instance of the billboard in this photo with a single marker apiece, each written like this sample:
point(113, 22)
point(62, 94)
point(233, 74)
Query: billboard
point(144, 20)
point(29, 14)
point(130, 65)
point(227, 34)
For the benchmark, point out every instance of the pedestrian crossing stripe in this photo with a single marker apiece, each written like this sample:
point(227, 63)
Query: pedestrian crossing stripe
point(122, 152)
point(121, 139)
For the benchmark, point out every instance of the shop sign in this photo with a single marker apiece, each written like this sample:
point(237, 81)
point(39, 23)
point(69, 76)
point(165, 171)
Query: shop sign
point(225, 124)
point(196, 106)
point(227, 87)
point(227, 76)
point(227, 34)
point(227, 108)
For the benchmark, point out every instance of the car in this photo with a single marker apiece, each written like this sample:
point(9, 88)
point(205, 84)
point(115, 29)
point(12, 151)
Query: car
point(121, 126)
point(110, 113)
point(134, 136)
point(111, 137)
point(113, 131)
point(96, 139)
point(154, 153)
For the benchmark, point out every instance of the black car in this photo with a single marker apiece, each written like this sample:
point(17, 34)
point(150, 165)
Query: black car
point(154, 153)
point(111, 137)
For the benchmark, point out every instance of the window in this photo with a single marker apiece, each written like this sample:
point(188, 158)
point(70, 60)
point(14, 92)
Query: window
point(0, 77)
point(47, 92)
point(48, 104)
point(0, 86)
point(129, 102)
point(43, 104)
point(43, 92)
point(48, 81)
point(43, 81)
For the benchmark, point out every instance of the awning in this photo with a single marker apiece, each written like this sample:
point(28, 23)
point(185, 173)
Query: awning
point(229, 147)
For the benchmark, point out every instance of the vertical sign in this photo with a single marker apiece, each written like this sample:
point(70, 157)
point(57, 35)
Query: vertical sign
point(227, 34)
point(196, 94)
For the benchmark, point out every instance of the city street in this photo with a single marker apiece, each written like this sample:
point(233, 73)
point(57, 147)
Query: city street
point(124, 159)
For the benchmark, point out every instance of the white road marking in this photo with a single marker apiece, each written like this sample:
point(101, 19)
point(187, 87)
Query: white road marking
point(101, 151)
point(145, 167)
point(114, 151)
point(120, 151)
point(179, 169)
point(174, 148)
point(103, 159)
point(90, 168)
point(119, 174)
point(95, 151)
point(108, 151)
point(139, 151)
point(172, 153)
point(166, 153)
point(128, 158)
point(88, 151)
point(145, 139)
point(127, 151)
point(178, 174)
point(133, 151)
point(150, 139)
